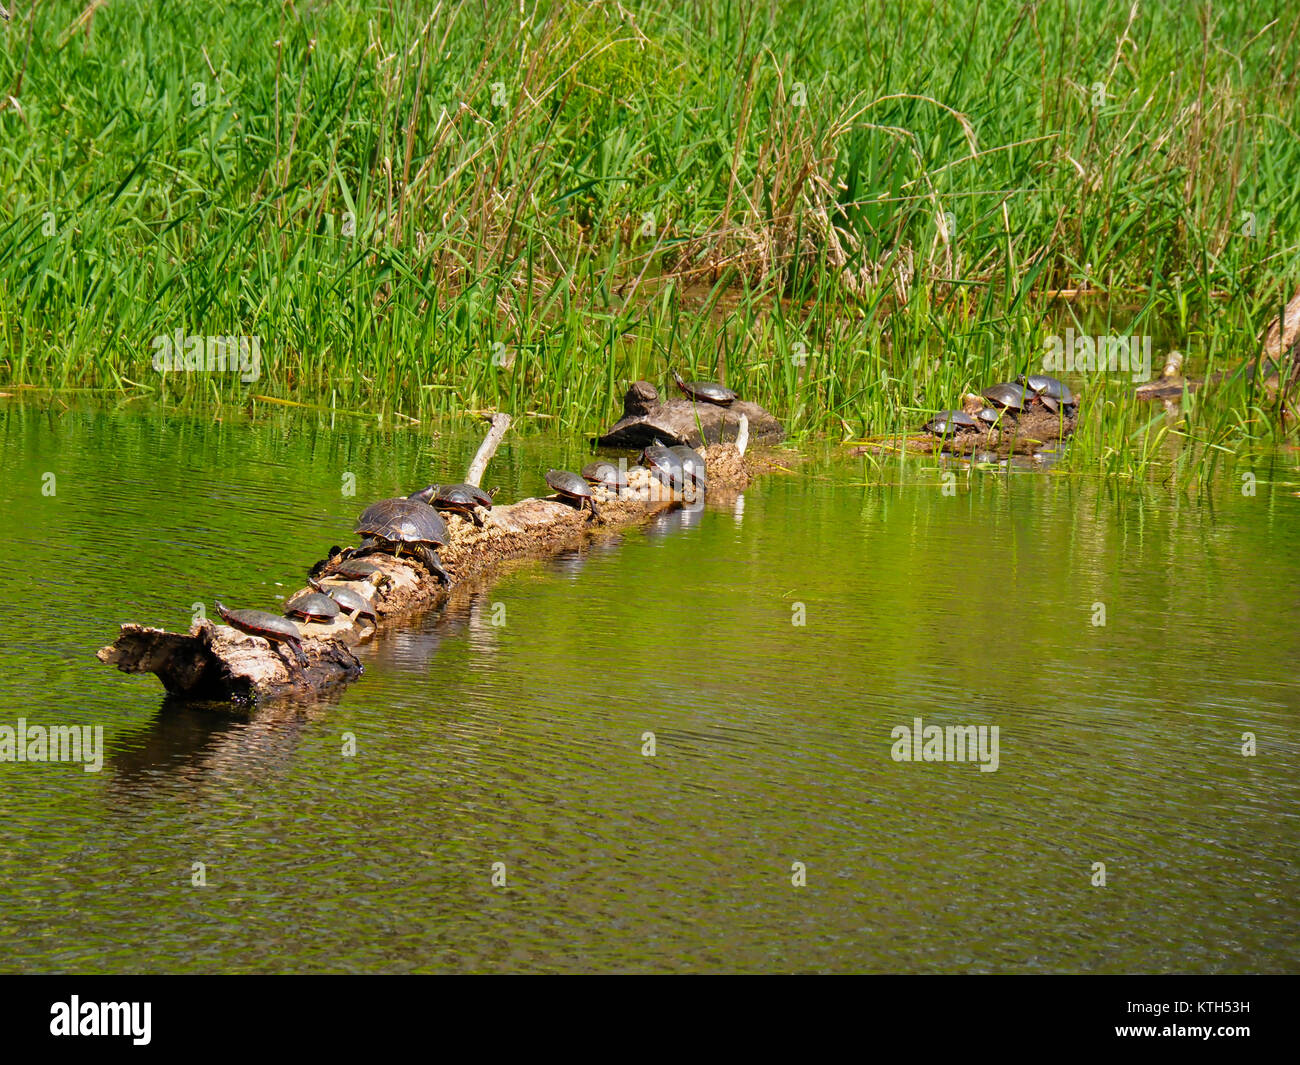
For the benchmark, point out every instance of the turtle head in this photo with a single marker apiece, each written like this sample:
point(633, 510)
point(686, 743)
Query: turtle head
point(425, 494)
point(679, 380)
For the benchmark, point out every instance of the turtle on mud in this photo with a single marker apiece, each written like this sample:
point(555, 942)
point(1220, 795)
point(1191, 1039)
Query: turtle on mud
point(392, 525)
point(271, 627)
point(573, 488)
point(989, 416)
point(462, 499)
point(707, 391)
point(665, 464)
point(950, 423)
point(312, 606)
point(693, 468)
point(1049, 392)
point(1008, 396)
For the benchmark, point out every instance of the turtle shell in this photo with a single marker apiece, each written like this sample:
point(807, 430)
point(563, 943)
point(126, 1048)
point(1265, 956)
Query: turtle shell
point(353, 602)
point(568, 484)
point(461, 495)
point(359, 569)
point(949, 422)
point(1050, 392)
point(692, 464)
point(313, 605)
point(604, 473)
point(665, 464)
point(403, 520)
point(709, 391)
point(260, 623)
point(1007, 395)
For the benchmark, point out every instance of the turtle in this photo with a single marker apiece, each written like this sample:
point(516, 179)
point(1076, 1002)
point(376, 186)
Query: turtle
point(1008, 396)
point(312, 606)
point(1053, 394)
point(459, 499)
point(353, 603)
point(359, 569)
point(950, 423)
point(665, 464)
point(605, 475)
point(708, 391)
point(990, 416)
point(693, 467)
point(392, 524)
point(572, 487)
point(271, 627)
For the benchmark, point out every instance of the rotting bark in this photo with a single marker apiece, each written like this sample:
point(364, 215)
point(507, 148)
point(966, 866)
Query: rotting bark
point(217, 662)
point(647, 417)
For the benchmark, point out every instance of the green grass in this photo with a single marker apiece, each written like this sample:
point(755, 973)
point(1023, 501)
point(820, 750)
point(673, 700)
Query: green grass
point(387, 198)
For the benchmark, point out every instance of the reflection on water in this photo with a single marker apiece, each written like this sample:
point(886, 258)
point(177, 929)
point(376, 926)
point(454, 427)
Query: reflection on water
point(645, 734)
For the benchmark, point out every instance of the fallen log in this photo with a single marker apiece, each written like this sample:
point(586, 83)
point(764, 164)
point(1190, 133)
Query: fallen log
point(646, 418)
point(219, 663)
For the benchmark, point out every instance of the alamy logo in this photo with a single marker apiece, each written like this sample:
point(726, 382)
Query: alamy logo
point(193, 354)
point(955, 743)
point(1099, 354)
point(55, 743)
point(102, 1018)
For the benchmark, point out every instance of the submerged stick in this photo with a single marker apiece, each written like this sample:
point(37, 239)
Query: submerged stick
point(478, 467)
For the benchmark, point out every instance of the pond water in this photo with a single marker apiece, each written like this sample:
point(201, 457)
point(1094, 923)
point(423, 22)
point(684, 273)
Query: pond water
point(512, 727)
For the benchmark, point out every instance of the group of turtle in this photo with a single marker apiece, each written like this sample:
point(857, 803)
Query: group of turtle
point(1007, 401)
point(414, 524)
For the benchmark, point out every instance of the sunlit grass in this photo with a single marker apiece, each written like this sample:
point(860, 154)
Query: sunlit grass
point(852, 215)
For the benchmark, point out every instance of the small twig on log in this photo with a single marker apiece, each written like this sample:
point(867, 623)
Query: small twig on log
point(500, 423)
point(742, 434)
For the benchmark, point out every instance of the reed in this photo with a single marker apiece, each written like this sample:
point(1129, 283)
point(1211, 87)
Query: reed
point(852, 215)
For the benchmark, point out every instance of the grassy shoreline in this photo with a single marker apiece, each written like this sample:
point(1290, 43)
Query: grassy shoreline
point(850, 215)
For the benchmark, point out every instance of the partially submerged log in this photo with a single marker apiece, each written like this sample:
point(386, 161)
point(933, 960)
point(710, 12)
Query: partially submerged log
point(647, 417)
point(1026, 435)
point(217, 662)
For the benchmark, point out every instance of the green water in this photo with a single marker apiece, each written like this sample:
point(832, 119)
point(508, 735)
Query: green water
point(521, 743)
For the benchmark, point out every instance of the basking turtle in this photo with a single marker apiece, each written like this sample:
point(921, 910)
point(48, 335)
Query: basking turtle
point(692, 464)
point(990, 416)
point(606, 475)
point(665, 464)
point(1008, 396)
point(312, 606)
point(708, 391)
point(393, 524)
point(353, 603)
point(572, 487)
point(1053, 394)
point(360, 569)
point(459, 499)
point(270, 627)
point(950, 423)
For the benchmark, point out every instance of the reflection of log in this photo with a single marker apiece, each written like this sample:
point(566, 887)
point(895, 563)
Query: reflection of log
point(682, 421)
point(218, 662)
